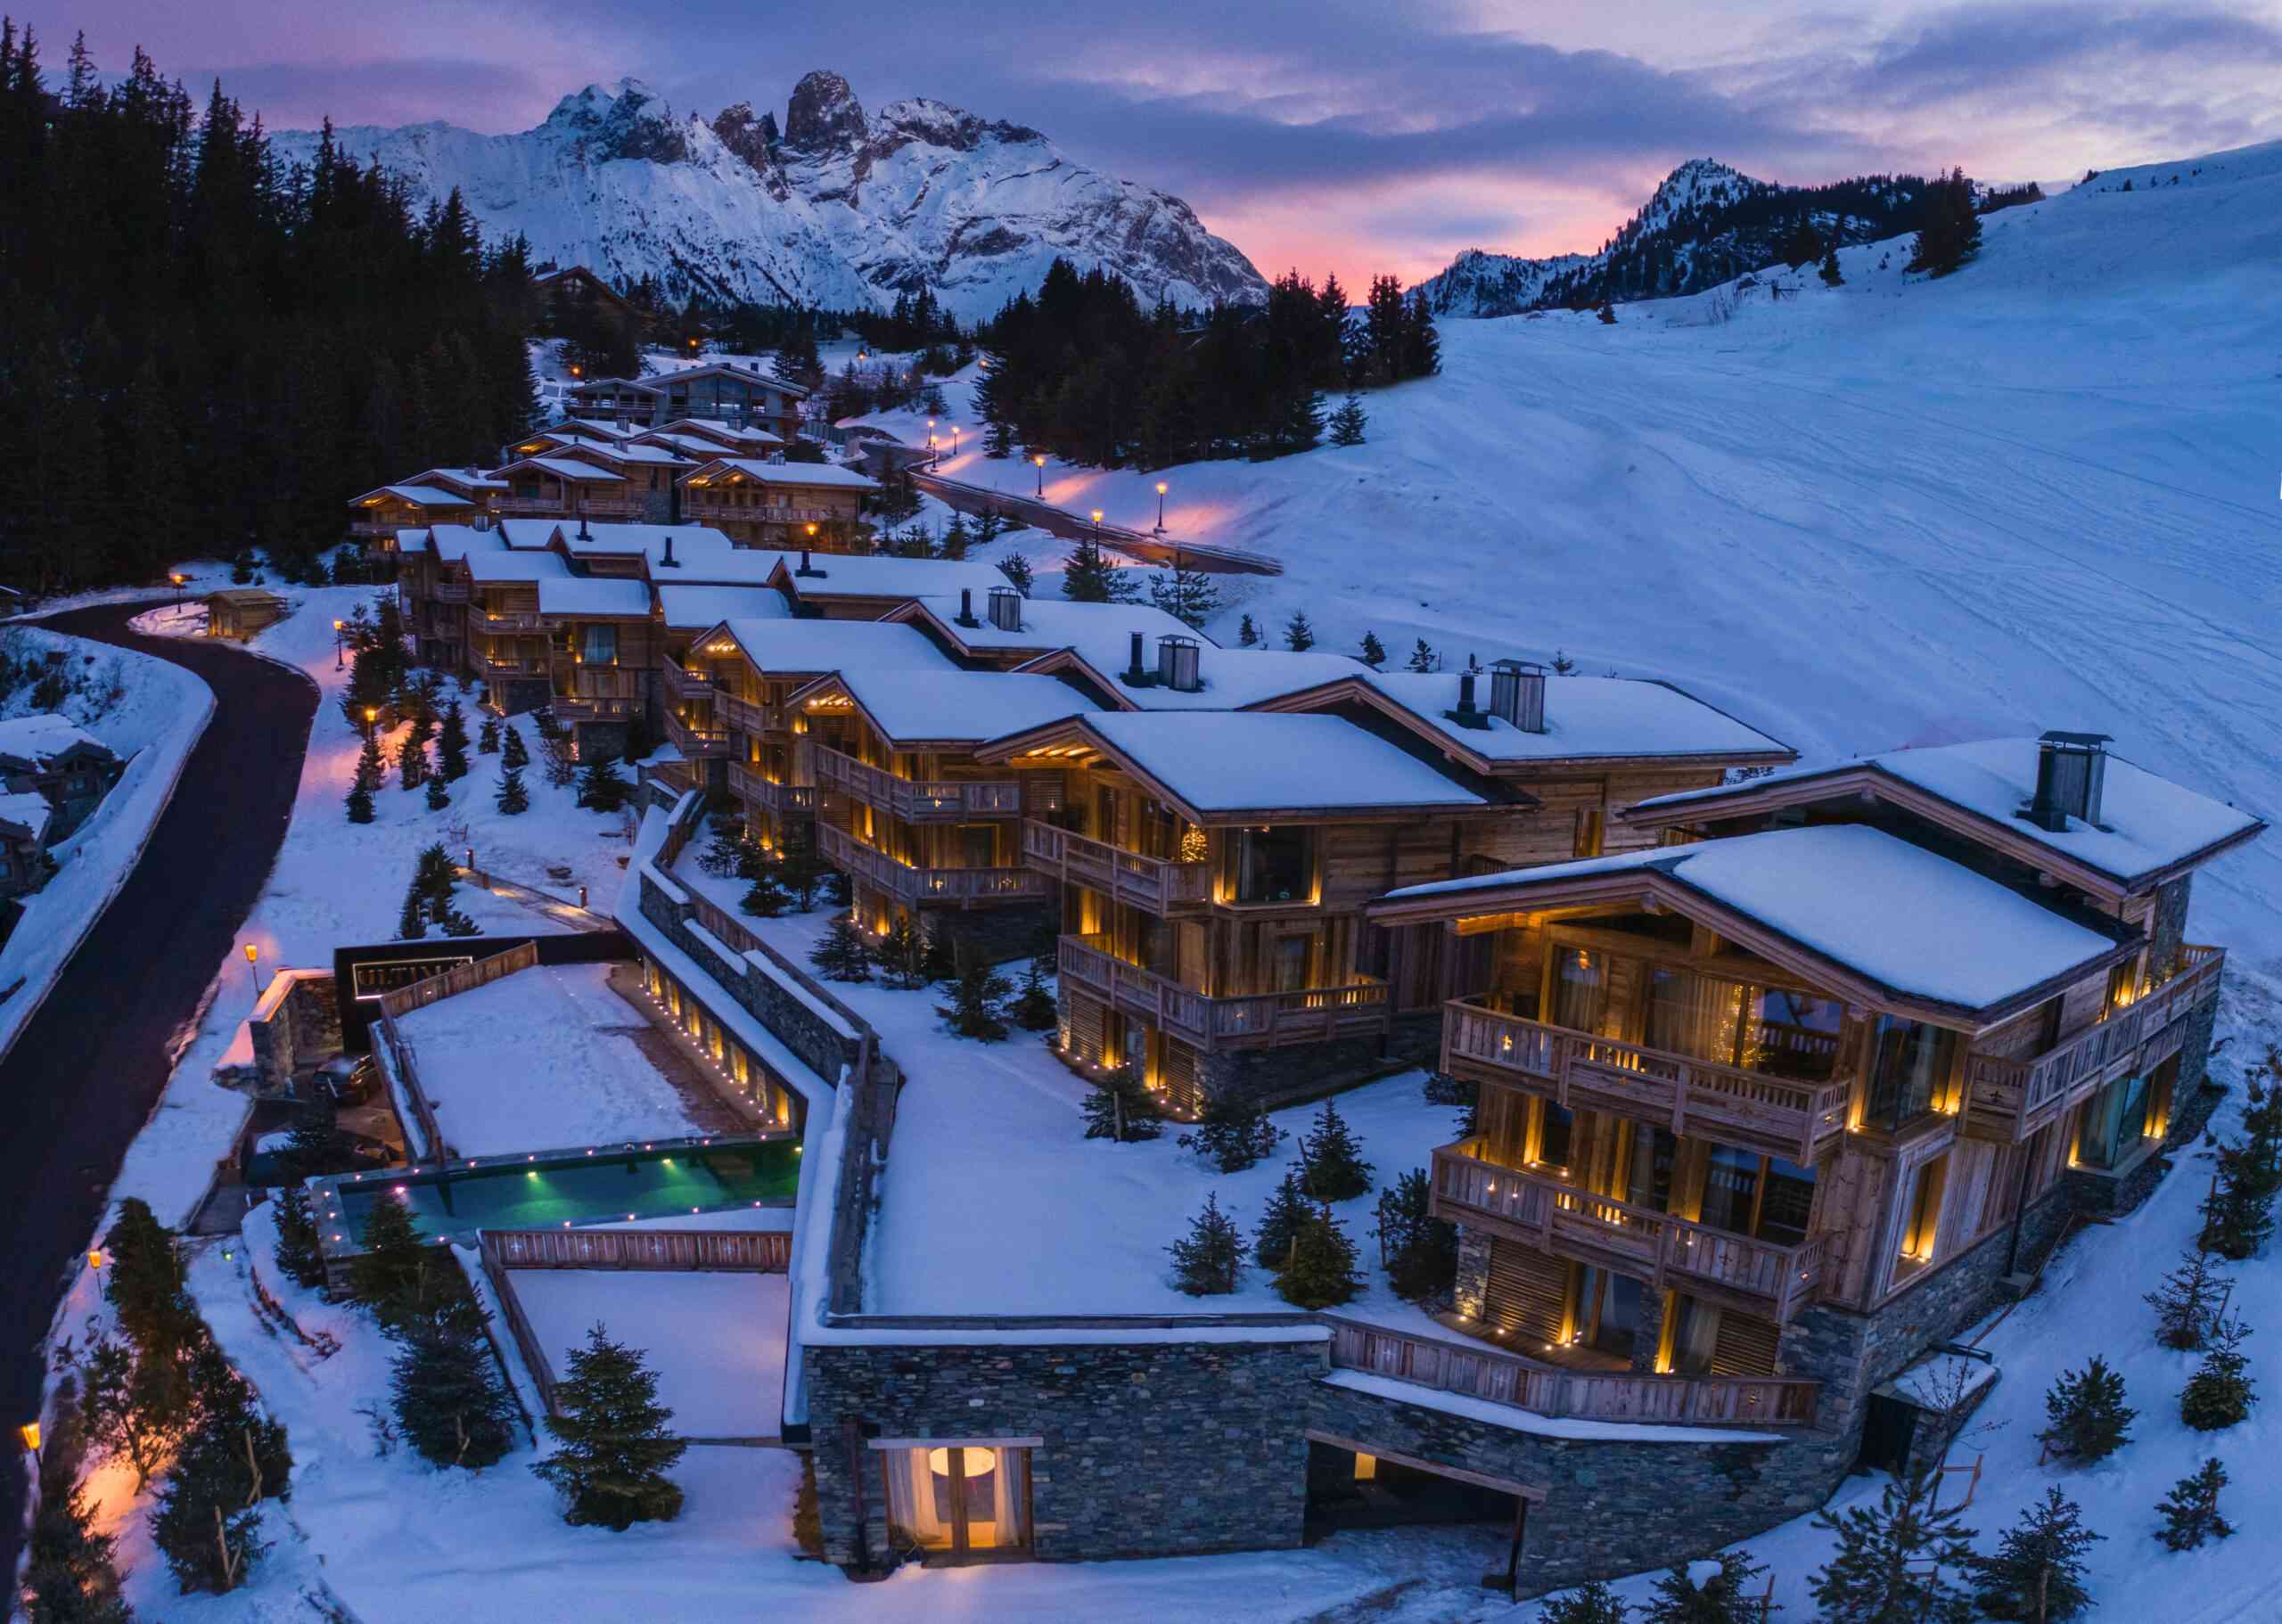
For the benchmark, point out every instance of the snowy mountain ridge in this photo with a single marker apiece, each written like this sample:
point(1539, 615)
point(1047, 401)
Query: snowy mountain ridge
point(841, 208)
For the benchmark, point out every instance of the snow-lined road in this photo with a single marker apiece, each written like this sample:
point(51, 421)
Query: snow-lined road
point(92, 1062)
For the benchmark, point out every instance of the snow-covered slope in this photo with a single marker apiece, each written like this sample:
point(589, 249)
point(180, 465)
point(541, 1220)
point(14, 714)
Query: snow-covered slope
point(2039, 493)
point(842, 208)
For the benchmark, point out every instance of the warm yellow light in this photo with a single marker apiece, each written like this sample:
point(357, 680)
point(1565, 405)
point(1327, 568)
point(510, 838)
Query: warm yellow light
point(978, 1462)
point(95, 1258)
point(370, 713)
point(253, 952)
point(29, 1434)
point(1160, 487)
point(1040, 461)
point(336, 625)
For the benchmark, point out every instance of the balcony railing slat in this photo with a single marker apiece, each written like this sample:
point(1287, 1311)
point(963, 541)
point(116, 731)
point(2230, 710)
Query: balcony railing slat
point(1255, 1019)
point(908, 884)
point(914, 799)
point(1152, 883)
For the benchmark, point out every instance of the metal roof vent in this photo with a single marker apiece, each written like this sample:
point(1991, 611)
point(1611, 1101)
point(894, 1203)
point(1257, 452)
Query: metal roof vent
point(2071, 771)
point(1518, 694)
point(1178, 664)
point(1005, 608)
point(966, 607)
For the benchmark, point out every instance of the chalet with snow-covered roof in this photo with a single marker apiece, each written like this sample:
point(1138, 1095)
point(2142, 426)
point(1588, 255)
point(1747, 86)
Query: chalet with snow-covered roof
point(574, 284)
point(766, 504)
point(557, 485)
point(541, 633)
point(1182, 671)
point(650, 472)
point(238, 613)
point(718, 390)
point(871, 586)
point(48, 755)
point(1791, 1102)
point(377, 515)
point(1213, 870)
point(998, 629)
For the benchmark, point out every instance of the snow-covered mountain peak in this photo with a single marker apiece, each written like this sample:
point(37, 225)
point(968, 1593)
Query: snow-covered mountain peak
point(626, 120)
point(823, 114)
point(1700, 182)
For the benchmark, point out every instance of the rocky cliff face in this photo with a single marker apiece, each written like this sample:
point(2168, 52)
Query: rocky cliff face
point(839, 208)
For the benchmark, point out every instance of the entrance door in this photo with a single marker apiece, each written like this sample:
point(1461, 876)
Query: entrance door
point(960, 1499)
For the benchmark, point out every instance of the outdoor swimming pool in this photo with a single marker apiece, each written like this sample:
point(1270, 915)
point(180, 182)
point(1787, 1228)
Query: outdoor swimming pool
point(551, 1189)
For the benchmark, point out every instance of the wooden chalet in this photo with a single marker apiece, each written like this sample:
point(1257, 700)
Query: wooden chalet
point(433, 594)
point(765, 503)
point(650, 472)
point(25, 819)
point(871, 586)
point(378, 515)
point(907, 812)
point(239, 611)
point(1816, 1064)
point(1125, 668)
point(716, 391)
point(48, 755)
point(996, 629)
point(1214, 869)
point(576, 284)
point(558, 485)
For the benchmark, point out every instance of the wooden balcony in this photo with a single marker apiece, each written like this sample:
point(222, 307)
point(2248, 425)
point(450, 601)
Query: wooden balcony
point(588, 708)
point(747, 782)
point(1667, 1253)
point(1151, 885)
point(2007, 1100)
point(490, 666)
point(1696, 1098)
point(450, 591)
point(682, 683)
point(1251, 1020)
point(744, 716)
point(698, 509)
point(916, 802)
point(915, 887)
point(1498, 1377)
point(567, 509)
point(696, 740)
point(505, 621)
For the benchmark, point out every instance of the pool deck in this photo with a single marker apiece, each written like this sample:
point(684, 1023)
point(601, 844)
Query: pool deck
point(716, 1340)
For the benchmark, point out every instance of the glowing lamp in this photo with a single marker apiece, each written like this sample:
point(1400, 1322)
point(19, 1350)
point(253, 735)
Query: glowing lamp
point(253, 952)
point(94, 1259)
point(976, 1463)
point(29, 1434)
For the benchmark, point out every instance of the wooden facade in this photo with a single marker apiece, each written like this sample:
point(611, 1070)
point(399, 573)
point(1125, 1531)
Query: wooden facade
point(737, 396)
point(239, 611)
point(780, 505)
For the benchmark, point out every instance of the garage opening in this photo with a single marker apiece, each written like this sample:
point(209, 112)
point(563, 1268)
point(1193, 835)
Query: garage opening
point(1354, 1489)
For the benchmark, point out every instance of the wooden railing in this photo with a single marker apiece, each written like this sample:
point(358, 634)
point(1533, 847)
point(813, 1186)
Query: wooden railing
point(450, 591)
point(749, 1250)
point(682, 683)
point(1149, 883)
point(565, 508)
point(746, 781)
point(459, 979)
point(700, 508)
point(1312, 1014)
point(696, 741)
point(2009, 1099)
point(1666, 1251)
point(912, 800)
point(965, 886)
point(581, 707)
point(506, 621)
point(1698, 1098)
point(744, 716)
point(1502, 1378)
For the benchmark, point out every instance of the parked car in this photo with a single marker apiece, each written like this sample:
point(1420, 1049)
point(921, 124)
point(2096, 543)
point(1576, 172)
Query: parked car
point(348, 1080)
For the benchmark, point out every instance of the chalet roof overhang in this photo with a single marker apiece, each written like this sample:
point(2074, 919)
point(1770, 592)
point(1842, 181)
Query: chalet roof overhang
point(1867, 781)
point(567, 468)
point(1069, 662)
point(1076, 744)
point(1652, 889)
point(919, 613)
point(830, 684)
point(1359, 690)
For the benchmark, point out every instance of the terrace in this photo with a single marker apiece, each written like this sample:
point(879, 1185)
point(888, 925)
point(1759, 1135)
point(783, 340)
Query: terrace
point(914, 801)
point(1155, 885)
point(911, 886)
point(1312, 1014)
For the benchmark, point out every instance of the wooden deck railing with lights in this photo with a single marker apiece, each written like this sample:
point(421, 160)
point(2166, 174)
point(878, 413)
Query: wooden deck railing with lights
point(1151, 885)
point(1257, 1021)
point(967, 887)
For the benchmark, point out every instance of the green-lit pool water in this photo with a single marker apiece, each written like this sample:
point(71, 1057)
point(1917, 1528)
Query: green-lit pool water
point(591, 1189)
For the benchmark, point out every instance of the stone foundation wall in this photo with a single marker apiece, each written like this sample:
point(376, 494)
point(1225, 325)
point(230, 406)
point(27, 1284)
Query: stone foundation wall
point(1271, 1077)
point(1015, 932)
point(303, 1029)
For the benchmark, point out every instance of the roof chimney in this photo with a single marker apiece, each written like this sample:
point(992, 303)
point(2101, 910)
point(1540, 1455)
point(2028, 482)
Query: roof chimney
point(806, 567)
point(670, 561)
point(966, 607)
point(2071, 770)
point(1518, 694)
point(1133, 666)
point(1178, 661)
point(1007, 609)
point(1466, 692)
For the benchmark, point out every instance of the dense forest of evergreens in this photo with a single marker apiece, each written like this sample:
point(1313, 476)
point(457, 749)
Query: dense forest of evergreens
point(205, 350)
point(1082, 371)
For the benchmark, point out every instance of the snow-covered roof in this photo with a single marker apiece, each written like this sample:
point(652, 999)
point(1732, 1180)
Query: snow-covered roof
point(565, 468)
point(462, 478)
point(37, 739)
point(593, 595)
point(660, 381)
point(703, 607)
point(453, 541)
point(1585, 718)
point(624, 540)
point(516, 565)
point(1243, 761)
point(797, 647)
point(744, 434)
point(696, 447)
point(1056, 623)
point(884, 575)
point(26, 815)
point(1900, 915)
point(761, 471)
point(966, 706)
point(627, 451)
point(2147, 822)
point(1230, 678)
point(720, 567)
point(419, 496)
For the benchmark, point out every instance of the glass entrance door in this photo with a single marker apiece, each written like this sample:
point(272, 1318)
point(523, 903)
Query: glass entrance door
point(960, 1498)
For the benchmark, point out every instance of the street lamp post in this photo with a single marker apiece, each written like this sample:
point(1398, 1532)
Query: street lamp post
point(336, 646)
point(1161, 507)
point(1097, 529)
point(1041, 474)
point(177, 579)
point(253, 973)
point(371, 716)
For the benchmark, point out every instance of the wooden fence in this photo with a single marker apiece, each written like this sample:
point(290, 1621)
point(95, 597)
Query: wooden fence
point(459, 979)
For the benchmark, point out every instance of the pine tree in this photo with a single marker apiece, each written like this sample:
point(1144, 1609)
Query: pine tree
point(1034, 1009)
point(2186, 1300)
point(399, 1275)
point(1563, 666)
point(1832, 277)
point(371, 770)
point(2088, 1420)
point(1121, 1111)
point(1299, 636)
point(1607, 313)
point(204, 1523)
point(843, 955)
point(487, 736)
point(561, 770)
point(411, 920)
point(2238, 1215)
point(71, 1576)
point(1375, 653)
point(614, 1445)
point(1724, 1597)
point(600, 788)
point(1421, 346)
point(451, 742)
point(317, 1144)
point(765, 898)
point(2037, 1573)
point(1319, 1269)
point(1333, 1158)
point(360, 804)
point(1287, 1208)
point(296, 1253)
point(1422, 657)
point(1087, 576)
point(1596, 1604)
point(1247, 634)
point(1348, 423)
point(447, 1393)
point(440, 795)
point(941, 961)
point(1208, 1261)
point(800, 870)
point(900, 955)
point(2220, 1392)
point(1188, 595)
point(1233, 1134)
point(1949, 233)
point(435, 875)
point(453, 923)
point(978, 1006)
point(1016, 567)
point(144, 1284)
point(515, 751)
point(513, 797)
point(130, 1409)
point(1892, 1564)
point(412, 763)
point(2191, 1512)
point(1421, 1250)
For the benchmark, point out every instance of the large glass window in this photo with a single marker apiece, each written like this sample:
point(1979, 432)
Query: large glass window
point(1765, 1197)
point(2113, 1123)
point(599, 646)
point(1556, 1132)
point(1579, 989)
point(1650, 1160)
point(1792, 1034)
point(1273, 866)
point(959, 1497)
point(1910, 1064)
point(1609, 1312)
point(1696, 1335)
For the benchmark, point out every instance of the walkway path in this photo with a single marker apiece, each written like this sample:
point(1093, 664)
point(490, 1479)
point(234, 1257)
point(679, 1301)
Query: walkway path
point(1216, 558)
point(93, 1061)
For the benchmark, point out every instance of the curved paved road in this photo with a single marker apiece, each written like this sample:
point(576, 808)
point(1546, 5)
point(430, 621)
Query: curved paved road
point(91, 1064)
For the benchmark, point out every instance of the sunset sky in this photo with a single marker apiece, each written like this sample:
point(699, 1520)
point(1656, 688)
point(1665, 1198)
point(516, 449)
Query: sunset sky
point(1350, 137)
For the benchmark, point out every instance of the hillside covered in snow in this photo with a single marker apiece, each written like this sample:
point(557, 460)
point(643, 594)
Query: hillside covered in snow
point(837, 208)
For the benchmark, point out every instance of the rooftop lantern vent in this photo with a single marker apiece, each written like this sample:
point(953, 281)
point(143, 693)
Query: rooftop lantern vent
point(1005, 609)
point(670, 561)
point(806, 567)
point(1468, 714)
point(1518, 694)
point(1178, 664)
point(2070, 770)
point(966, 607)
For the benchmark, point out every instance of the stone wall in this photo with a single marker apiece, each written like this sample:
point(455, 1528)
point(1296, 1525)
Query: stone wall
point(302, 1029)
point(2168, 928)
point(1000, 934)
point(1271, 1077)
